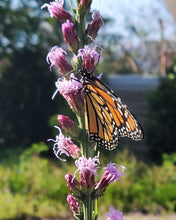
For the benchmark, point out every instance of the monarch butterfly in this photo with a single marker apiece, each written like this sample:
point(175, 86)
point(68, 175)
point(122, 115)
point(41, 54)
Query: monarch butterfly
point(106, 117)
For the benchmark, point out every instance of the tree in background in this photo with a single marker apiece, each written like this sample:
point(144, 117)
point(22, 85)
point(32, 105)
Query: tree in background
point(22, 25)
point(161, 127)
point(26, 105)
point(26, 84)
point(135, 40)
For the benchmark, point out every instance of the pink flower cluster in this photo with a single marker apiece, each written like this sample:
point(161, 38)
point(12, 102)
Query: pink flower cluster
point(71, 91)
point(56, 57)
point(114, 214)
point(87, 172)
point(64, 145)
point(89, 56)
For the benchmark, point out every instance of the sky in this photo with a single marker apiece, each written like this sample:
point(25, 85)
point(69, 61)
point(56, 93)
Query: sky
point(143, 14)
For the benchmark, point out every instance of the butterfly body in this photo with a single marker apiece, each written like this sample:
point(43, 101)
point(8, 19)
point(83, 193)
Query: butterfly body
point(106, 117)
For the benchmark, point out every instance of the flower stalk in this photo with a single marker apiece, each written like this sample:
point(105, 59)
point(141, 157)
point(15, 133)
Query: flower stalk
point(87, 207)
point(84, 191)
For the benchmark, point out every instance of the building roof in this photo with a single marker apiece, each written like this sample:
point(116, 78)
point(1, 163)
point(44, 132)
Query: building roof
point(132, 82)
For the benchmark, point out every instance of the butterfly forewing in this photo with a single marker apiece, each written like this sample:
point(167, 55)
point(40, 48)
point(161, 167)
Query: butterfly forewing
point(106, 117)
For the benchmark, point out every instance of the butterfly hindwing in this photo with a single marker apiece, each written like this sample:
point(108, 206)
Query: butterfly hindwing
point(98, 121)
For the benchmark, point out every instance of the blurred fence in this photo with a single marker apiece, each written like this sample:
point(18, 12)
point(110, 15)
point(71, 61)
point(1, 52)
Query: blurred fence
point(133, 90)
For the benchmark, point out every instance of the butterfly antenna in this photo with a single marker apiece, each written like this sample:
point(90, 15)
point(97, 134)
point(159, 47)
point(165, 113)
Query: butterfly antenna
point(66, 74)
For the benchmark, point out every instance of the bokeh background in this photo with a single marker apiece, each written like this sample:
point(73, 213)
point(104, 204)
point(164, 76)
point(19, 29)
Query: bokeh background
point(138, 63)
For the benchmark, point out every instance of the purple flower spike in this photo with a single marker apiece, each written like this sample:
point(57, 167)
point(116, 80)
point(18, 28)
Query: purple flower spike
point(56, 10)
point(112, 174)
point(70, 36)
point(115, 171)
point(71, 91)
point(56, 57)
point(94, 25)
point(88, 170)
point(74, 204)
point(114, 214)
point(89, 56)
point(64, 145)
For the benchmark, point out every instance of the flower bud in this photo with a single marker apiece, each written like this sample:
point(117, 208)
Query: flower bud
point(112, 174)
point(87, 179)
point(69, 126)
point(84, 7)
point(74, 204)
point(94, 25)
point(72, 182)
point(70, 36)
point(56, 10)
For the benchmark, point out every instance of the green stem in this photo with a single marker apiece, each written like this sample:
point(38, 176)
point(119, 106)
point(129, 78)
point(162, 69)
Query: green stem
point(77, 13)
point(87, 207)
point(81, 33)
point(84, 140)
point(81, 21)
point(70, 5)
point(77, 4)
point(95, 208)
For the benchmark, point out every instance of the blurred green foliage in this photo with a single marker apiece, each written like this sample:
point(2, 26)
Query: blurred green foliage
point(31, 185)
point(34, 186)
point(25, 25)
point(147, 189)
point(161, 126)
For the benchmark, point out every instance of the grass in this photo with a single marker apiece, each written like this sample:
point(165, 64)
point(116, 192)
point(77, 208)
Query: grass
point(139, 216)
point(149, 217)
point(28, 178)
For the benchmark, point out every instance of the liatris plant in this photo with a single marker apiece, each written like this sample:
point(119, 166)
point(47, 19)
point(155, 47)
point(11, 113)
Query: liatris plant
point(84, 187)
